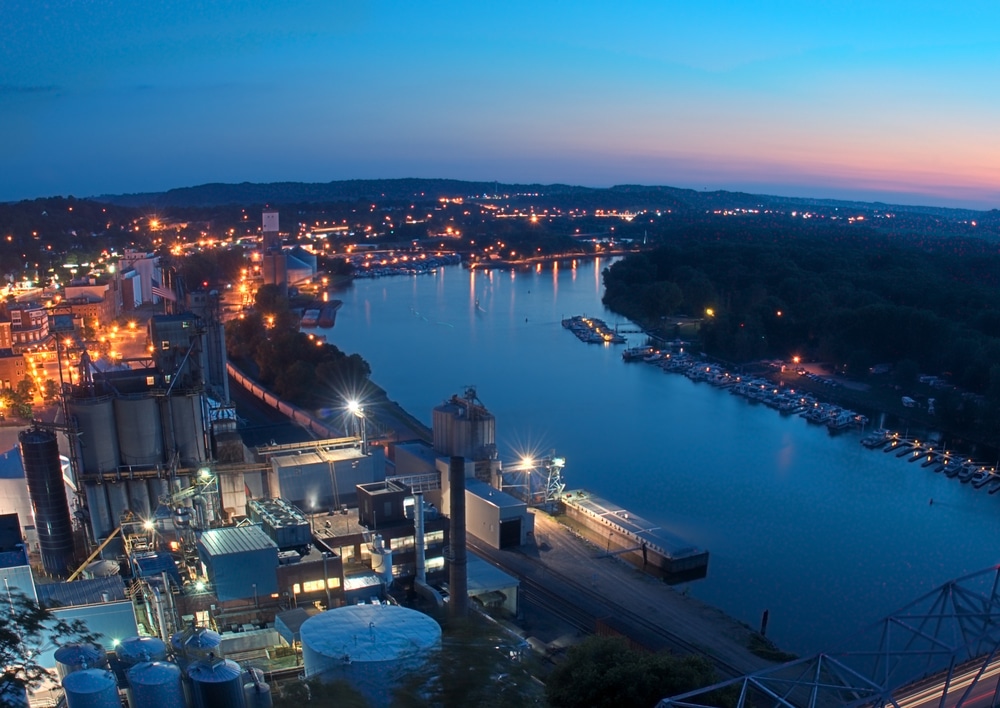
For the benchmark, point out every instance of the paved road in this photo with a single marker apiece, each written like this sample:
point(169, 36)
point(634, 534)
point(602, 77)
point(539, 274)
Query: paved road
point(961, 691)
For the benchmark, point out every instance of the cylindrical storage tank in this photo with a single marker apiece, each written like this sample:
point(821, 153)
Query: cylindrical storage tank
point(370, 646)
point(155, 684)
point(195, 643)
point(138, 498)
point(98, 435)
point(117, 499)
point(79, 656)
point(99, 510)
point(216, 683)
point(256, 692)
point(139, 437)
point(381, 560)
point(136, 650)
point(187, 426)
point(91, 688)
point(47, 491)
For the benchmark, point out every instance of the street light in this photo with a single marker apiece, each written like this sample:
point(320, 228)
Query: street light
point(355, 409)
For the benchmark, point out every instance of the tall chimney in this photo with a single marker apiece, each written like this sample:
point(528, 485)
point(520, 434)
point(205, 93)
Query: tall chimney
point(458, 580)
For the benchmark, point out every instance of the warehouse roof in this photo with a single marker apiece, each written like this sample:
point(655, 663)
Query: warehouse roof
point(235, 539)
point(82, 592)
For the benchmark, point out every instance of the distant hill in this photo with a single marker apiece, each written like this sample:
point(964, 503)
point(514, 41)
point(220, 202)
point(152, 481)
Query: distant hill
point(630, 196)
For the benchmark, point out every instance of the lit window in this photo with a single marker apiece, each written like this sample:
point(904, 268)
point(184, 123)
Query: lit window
point(165, 344)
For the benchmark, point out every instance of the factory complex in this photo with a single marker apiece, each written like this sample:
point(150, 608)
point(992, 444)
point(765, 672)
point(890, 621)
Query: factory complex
point(124, 515)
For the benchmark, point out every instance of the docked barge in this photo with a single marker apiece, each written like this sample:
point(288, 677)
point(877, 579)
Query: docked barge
point(634, 538)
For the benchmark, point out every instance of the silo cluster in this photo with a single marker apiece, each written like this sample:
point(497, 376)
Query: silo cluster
point(197, 677)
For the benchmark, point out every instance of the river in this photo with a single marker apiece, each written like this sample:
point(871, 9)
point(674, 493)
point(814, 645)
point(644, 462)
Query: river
point(826, 535)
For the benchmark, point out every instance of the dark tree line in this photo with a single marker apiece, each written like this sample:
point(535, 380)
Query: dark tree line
point(298, 369)
point(852, 297)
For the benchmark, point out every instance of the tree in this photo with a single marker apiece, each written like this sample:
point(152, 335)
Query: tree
point(51, 389)
point(27, 630)
point(317, 694)
point(475, 666)
point(605, 671)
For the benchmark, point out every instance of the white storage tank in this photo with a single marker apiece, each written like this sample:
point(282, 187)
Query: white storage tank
point(91, 688)
point(136, 650)
point(155, 684)
point(79, 656)
point(216, 683)
point(381, 560)
point(370, 646)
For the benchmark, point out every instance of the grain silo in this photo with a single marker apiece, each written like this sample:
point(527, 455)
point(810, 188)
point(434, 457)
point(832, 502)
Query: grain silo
point(216, 683)
point(140, 438)
point(94, 417)
point(136, 650)
point(194, 643)
point(78, 656)
point(43, 472)
point(371, 646)
point(155, 684)
point(91, 688)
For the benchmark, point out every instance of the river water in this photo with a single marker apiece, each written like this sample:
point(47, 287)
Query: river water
point(825, 534)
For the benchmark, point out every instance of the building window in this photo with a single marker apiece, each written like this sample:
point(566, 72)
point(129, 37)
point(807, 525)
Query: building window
point(165, 344)
point(433, 537)
point(401, 544)
point(432, 565)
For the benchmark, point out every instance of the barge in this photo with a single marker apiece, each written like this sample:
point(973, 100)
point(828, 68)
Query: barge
point(634, 538)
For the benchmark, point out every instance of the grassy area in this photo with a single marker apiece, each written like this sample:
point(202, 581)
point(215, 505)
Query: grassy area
point(766, 649)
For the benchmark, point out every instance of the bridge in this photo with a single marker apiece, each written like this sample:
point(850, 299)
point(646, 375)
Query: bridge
point(942, 650)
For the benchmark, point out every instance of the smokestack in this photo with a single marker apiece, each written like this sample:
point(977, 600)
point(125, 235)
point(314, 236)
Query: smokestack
point(458, 580)
point(418, 536)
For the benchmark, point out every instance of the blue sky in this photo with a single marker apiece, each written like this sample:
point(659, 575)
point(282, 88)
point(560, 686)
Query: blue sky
point(880, 100)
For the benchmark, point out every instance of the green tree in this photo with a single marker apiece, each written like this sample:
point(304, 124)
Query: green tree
point(605, 672)
point(27, 630)
point(51, 389)
point(317, 694)
point(476, 666)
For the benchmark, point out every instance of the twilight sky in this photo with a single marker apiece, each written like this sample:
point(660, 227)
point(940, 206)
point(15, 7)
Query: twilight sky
point(873, 99)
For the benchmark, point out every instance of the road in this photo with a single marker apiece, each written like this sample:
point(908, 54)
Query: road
point(983, 694)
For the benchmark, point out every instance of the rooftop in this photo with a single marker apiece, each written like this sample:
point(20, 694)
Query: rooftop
point(235, 539)
point(82, 592)
point(494, 496)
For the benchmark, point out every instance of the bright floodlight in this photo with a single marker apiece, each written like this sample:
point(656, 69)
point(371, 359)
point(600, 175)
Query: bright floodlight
point(204, 472)
point(527, 461)
point(148, 525)
point(354, 407)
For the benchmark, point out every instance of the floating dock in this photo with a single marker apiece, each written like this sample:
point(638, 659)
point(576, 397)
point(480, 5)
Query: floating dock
point(633, 537)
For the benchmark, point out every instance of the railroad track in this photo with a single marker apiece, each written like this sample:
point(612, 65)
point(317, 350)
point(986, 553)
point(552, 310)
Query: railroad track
point(583, 607)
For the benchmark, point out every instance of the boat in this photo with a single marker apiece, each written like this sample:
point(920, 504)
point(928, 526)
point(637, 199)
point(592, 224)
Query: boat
point(309, 318)
point(328, 314)
point(980, 478)
point(637, 353)
point(876, 438)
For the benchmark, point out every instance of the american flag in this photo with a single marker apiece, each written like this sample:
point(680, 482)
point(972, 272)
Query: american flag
point(165, 293)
